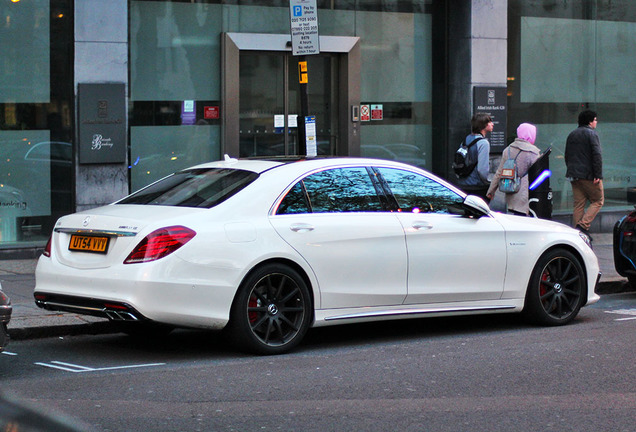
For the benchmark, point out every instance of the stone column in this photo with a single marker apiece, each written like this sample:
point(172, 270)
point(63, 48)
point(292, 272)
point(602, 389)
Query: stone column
point(101, 56)
point(475, 50)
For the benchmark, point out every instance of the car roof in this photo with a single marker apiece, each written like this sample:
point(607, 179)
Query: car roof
point(257, 166)
point(302, 164)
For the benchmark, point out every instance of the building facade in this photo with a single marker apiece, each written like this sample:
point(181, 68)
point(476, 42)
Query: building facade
point(99, 98)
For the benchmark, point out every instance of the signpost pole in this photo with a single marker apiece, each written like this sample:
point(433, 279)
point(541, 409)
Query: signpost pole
point(304, 105)
point(305, 40)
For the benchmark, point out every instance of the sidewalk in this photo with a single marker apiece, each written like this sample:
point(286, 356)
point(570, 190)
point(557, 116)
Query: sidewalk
point(28, 321)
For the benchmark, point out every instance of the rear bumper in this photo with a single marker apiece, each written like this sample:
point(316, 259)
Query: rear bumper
point(177, 293)
point(114, 311)
point(5, 313)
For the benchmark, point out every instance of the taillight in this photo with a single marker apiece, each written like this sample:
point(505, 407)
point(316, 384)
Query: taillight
point(160, 243)
point(47, 248)
point(4, 299)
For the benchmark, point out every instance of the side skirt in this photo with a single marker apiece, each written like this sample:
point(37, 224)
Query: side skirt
point(340, 316)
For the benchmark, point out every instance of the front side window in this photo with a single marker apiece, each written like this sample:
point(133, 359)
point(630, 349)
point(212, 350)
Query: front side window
point(335, 190)
point(417, 193)
point(193, 188)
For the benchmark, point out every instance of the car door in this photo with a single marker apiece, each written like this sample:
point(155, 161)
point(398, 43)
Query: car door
point(336, 221)
point(451, 258)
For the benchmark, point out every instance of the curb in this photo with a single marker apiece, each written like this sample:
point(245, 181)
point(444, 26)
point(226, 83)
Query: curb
point(41, 332)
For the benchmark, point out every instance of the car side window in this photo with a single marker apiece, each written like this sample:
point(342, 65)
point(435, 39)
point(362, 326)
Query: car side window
point(295, 201)
point(334, 190)
point(418, 193)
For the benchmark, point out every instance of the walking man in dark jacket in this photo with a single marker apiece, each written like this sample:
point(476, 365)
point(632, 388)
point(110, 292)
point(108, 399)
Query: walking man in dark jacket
point(585, 170)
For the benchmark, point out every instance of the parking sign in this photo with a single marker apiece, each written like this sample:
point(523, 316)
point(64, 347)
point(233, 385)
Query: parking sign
point(303, 16)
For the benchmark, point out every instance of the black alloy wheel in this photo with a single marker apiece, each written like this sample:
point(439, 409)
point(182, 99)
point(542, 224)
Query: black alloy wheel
point(556, 290)
point(272, 311)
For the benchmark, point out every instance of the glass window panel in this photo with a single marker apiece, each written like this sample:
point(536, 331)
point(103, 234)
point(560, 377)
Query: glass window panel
point(546, 77)
point(395, 55)
point(295, 201)
point(322, 100)
point(565, 59)
point(403, 143)
point(397, 73)
point(616, 62)
point(202, 187)
point(261, 100)
point(259, 19)
point(175, 51)
point(417, 193)
point(157, 151)
point(342, 190)
point(25, 179)
point(25, 51)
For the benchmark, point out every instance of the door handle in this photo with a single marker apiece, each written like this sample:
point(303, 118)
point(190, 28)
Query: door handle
point(418, 225)
point(301, 227)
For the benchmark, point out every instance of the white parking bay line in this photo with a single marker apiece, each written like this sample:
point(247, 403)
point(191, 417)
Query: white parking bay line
point(630, 312)
point(69, 367)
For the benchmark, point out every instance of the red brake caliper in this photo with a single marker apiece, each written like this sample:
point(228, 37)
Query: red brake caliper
point(252, 304)
point(544, 277)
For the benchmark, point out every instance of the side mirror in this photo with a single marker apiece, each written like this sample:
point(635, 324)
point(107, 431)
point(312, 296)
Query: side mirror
point(478, 204)
point(472, 207)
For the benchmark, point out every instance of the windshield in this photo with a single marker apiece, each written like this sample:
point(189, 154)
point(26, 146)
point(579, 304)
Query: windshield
point(204, 187)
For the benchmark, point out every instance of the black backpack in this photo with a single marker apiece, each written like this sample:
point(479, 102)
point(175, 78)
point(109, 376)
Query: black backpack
point(464, 164)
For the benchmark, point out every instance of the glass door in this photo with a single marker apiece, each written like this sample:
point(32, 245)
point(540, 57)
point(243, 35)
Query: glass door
point(269, 103)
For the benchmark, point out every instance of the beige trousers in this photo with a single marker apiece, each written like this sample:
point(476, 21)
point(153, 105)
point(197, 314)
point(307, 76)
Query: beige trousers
point(585, 191)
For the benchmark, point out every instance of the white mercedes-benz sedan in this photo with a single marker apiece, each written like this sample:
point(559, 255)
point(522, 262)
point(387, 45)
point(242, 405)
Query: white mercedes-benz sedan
point(267, 249)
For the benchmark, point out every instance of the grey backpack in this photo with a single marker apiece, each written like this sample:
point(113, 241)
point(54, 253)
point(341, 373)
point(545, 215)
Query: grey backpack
point(510, 180)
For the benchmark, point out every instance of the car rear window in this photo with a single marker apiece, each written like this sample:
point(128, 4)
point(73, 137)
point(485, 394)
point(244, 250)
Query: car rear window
point(204, 187)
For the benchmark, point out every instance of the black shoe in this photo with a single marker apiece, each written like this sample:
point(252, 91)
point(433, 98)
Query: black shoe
point(584, 231)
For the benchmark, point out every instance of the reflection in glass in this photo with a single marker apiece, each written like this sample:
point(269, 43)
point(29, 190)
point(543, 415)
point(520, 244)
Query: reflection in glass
point(417, 193)
point(295, 201)
point(567, 58)
point(193, 188)
point(261, 98)
point(342, 190)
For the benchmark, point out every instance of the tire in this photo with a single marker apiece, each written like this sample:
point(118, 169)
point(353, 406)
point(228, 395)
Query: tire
point(272, 311)
point(556, 290)
point(632, 281)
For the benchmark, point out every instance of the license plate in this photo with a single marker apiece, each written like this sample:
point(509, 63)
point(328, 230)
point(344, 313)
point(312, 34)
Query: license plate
point(88, 244)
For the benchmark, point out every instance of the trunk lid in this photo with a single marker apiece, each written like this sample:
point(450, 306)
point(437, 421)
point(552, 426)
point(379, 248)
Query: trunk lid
point(103, 237)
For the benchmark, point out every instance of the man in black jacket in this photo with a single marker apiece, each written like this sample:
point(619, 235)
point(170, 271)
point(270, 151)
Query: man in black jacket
point(585, 170)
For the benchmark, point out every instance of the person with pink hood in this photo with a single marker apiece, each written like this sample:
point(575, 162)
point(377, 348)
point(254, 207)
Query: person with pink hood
point(526, 153)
